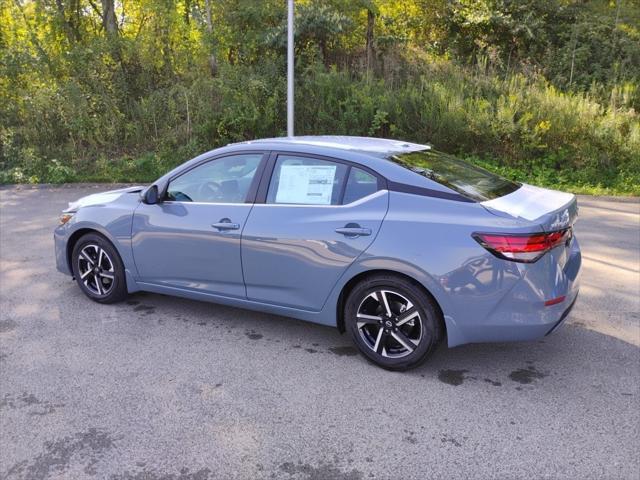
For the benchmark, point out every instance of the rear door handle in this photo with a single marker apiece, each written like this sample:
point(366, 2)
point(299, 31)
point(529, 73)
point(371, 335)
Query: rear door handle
point(225, 224)
point(353, 230)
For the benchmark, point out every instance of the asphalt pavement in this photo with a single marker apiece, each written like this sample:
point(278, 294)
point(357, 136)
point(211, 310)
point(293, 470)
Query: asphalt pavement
point(161, 388)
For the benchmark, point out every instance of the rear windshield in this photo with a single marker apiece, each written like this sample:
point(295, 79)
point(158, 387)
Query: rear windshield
point(468, 180)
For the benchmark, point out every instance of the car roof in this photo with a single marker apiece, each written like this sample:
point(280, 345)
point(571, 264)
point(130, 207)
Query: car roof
point(369, 151)
point(368, 145)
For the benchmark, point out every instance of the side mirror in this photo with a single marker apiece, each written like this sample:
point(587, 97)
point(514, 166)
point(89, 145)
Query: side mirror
point(151, 195)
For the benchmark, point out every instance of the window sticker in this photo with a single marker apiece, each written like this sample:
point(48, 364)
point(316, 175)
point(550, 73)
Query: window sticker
point(306, 184)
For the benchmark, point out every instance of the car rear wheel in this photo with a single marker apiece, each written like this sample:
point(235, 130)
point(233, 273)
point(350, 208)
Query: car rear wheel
point(98, 269)
point(394, 323)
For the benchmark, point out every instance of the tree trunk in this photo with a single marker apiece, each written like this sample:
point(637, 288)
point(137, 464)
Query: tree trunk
point(209, 16)
point(187, 10)
point(213, 65)
point(324, 52)
point(34, 39)
point(213, 62)
point(72, 33)
point(573, 54)
point(109, 17)
point(371, 52)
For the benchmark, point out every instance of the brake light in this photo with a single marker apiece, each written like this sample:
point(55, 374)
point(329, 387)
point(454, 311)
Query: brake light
point(526, 248)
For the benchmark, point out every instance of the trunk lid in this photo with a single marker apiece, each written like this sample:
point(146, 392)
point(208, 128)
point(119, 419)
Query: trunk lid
point(551, 209)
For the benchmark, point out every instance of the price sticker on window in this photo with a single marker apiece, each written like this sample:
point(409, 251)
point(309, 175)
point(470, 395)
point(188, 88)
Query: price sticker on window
point(306, 184)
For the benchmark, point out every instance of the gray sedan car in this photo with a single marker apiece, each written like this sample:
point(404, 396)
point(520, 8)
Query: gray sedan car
point(396, 243)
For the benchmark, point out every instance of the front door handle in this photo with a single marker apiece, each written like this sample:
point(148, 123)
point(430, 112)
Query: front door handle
point(225, 224)
point(353, 230)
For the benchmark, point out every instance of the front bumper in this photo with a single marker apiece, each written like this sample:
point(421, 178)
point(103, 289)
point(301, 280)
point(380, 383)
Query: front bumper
point(60, 240)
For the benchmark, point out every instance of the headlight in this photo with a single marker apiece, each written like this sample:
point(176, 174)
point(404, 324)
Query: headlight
point(65, 217)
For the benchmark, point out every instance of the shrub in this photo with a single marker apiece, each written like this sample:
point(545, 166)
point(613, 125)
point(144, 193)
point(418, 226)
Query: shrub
point(76, 131)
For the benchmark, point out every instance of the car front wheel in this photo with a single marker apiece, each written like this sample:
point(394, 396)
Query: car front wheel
point(98, 269)
point(393, 321)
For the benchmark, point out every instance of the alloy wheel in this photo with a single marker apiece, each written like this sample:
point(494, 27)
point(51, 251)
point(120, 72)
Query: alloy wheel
point(389, 323)
point(96, 270)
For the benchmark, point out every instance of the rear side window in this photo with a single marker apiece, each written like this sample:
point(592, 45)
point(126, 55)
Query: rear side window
point(359, 185)
point(306, 181)
point(468, 180)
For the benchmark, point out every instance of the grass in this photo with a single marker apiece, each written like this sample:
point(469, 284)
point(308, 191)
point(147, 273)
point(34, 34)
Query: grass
point(575, 181)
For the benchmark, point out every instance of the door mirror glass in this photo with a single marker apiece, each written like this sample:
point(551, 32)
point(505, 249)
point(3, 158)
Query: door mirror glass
point(151, 195)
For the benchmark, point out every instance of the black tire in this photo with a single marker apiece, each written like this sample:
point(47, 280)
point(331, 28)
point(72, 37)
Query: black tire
point(420, 334)
point(86, 257)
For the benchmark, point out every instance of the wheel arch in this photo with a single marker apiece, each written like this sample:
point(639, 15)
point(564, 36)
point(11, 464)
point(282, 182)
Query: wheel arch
point(73, 239)
point(353, 281)
point(78, 234)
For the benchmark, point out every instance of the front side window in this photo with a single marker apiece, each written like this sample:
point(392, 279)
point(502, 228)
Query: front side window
point(224, 180)
point(468, 180)
point(306, 181)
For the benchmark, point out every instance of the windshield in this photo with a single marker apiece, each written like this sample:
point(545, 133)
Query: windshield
point(468, 180)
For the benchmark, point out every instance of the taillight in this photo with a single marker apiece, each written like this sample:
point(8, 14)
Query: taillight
point(526, 248)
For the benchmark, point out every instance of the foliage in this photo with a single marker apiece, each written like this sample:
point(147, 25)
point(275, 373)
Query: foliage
point(545, 91)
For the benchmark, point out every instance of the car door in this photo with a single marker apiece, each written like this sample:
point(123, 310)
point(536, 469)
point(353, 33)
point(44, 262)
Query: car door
point(315, 217)
point(191, 239)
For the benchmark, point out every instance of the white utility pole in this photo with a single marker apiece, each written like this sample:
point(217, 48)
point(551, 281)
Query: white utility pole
point(290, 109)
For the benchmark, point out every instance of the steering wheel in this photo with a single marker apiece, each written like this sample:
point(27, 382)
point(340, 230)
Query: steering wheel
point(211, 190)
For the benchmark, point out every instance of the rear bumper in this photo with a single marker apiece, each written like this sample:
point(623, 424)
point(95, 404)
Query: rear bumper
point(521, 314)
point(564, 316)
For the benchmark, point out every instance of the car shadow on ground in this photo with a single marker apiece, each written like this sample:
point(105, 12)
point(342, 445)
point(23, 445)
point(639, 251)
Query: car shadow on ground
point(517, 365)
